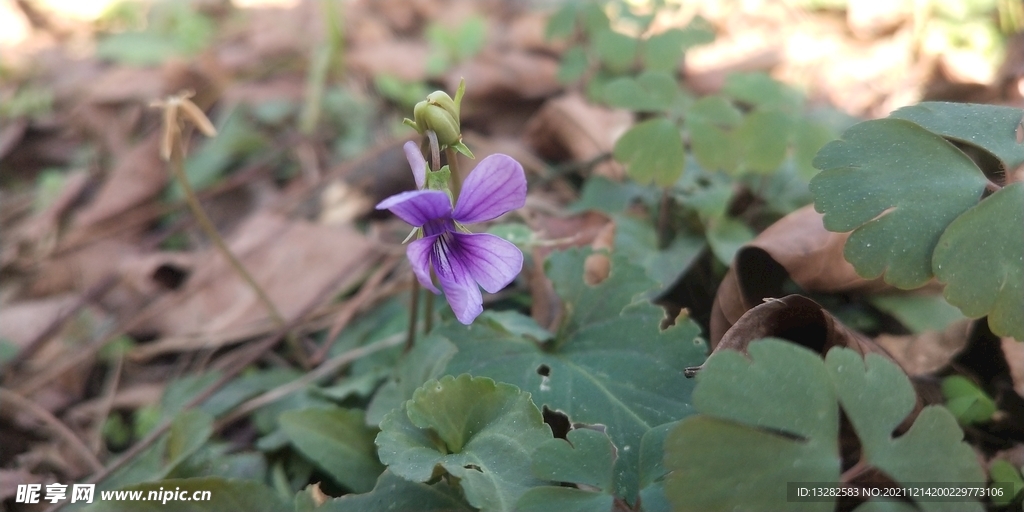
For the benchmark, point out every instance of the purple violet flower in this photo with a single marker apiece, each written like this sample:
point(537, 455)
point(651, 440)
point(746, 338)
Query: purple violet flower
point(462, 261)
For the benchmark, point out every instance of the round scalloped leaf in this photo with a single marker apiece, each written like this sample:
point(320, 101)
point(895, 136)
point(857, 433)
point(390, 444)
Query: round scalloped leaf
point(989, 127)
point(472, 428)
point(774, 419)
point(652, 151)
point(980, 257)
point(609, 363)
point(897, 186)
point(338, 441)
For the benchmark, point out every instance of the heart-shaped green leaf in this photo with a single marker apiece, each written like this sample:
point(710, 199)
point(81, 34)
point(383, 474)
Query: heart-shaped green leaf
point(980, 257)
point(652, 152)
point(897, 186)
point(472, 428)
point(609, 363)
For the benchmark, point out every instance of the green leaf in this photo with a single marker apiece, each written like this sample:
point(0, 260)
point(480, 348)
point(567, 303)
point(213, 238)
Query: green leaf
point(519, 234)
point(517, 324)
point(637, 240)
point(604, 195)
point(712, 146)
point(1009, 478)
point(393, 493)
point(573, 65)
point(189, 431)
point(652, 152)
point(562, 23)
point(808, 138)
point(472, 428)
point(585, 456)
point(968, 403)
point(715, 110)
point(761, 90)
point(338, 441)
point(918, 313)
point(989, 127)
point(563, 499)
point(610, 363)
point(898, 187)
point(877, 396)
point(726, 236)
point(774, 418)
point(651, 91)
point(980, 257)
point(763, 140)
point(664, 51)
point(223, 495)
point(616, 50)
point(425, 361)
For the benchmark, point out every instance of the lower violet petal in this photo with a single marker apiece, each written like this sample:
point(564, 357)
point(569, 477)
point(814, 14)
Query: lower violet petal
point(464, 298)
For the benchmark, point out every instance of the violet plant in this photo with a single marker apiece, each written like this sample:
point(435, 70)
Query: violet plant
point(443, 247)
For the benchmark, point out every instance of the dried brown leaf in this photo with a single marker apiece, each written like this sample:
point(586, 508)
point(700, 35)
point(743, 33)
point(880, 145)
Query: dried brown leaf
point(569, 127)
point(289, 259)
point(798, 247)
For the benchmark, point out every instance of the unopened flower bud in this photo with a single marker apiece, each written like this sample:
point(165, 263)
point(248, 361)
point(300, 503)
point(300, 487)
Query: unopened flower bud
point(430, 115)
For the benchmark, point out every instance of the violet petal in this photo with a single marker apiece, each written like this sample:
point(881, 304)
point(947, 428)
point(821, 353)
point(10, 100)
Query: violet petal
point(497, 185)
point(463, 296)
point(417, 163)
point(419, 252)
point(491, 260)
point(417, 207)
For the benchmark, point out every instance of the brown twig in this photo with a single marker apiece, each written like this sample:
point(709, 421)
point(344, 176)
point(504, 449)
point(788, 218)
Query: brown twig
point(74, 443)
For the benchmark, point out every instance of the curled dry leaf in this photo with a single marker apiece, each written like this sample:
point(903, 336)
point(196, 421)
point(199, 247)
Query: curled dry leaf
point(570, 125)
point(798, 247)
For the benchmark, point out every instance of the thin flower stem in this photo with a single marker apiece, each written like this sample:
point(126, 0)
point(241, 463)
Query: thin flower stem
point(453, 164)
point(663, 232)
point(435, 151)
point(210, 230)
point(428, 314)
point(414, 310)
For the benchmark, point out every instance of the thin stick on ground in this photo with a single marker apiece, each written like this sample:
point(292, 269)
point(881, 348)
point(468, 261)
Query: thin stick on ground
point(21, 403)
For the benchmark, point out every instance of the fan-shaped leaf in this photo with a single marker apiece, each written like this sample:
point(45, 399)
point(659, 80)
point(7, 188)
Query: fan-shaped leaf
point(980, 257)
point(652, 152)
point(897, 186)
point(774, 419)
point(989, 127)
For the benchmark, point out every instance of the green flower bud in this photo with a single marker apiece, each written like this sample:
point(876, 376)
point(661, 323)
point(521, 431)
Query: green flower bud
point(431, 116)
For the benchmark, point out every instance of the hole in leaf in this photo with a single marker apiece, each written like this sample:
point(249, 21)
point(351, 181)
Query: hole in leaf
point(169, 276)
point(473, 467)
point(558, 421)
point(544, 370)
